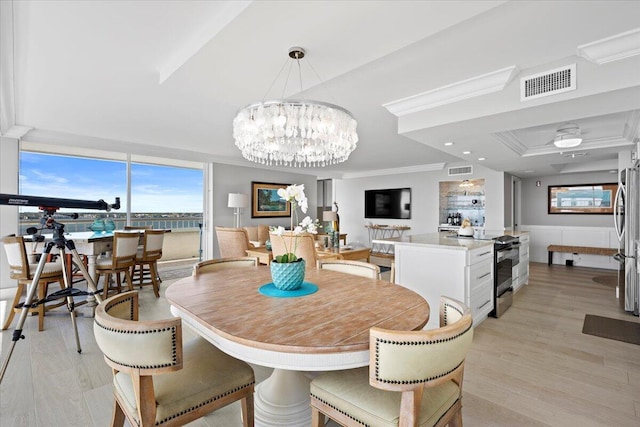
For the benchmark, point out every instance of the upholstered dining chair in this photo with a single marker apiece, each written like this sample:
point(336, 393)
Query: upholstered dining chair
point(233, 242)
point(304, 248)
point(414, 378)
point(158, 380)
point(122, 260)
point(223, 263)
point(358, 268)
point(146, 265)
point(22, 270)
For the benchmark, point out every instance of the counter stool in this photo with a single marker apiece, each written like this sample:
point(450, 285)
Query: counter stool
point(148, 256)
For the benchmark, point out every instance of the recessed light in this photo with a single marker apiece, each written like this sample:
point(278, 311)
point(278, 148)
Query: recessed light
point(466, 152)
point(529, 171)
point(613, 171)
point(481, 158)
point(448, 143)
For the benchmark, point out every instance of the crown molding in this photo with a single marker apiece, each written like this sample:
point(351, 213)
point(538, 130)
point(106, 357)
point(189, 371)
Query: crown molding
point(509, 140)
point(479, 85)
point(614, 48)
point(395, 171)
point(16, 131)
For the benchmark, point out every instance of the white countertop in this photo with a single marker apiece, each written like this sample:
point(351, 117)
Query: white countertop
point(442, 240)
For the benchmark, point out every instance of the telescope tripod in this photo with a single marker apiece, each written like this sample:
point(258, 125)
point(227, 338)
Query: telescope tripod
point(68, 292)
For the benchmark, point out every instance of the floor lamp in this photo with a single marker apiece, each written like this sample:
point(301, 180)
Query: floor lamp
point(238, 201)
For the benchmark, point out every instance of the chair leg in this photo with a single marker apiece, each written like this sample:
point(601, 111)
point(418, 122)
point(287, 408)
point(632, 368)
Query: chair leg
point(11, 310)
point(456, 420)
point(317, 418)
point(40, 309)
point(247, 411)
point(117, 417)
point(154, 279)
point(128, 279)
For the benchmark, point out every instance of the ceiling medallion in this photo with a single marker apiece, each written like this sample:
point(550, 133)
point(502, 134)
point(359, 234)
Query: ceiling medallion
point(300, 133)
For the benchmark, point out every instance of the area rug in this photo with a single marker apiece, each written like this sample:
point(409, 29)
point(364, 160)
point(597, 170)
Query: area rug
point(614, 329)
point(608, 280)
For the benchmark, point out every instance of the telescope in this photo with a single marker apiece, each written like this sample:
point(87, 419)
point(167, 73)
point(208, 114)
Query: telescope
point(52, 203)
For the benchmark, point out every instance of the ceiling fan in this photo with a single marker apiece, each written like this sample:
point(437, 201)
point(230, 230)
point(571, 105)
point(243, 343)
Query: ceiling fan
point(568, 135)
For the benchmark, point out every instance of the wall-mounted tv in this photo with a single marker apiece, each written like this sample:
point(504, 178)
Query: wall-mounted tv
point(393, 203)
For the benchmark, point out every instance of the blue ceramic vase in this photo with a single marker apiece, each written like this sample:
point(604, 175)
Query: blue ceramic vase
point(288, 276)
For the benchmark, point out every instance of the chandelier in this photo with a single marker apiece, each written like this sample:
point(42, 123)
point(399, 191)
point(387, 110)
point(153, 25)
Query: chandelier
point(301, 133)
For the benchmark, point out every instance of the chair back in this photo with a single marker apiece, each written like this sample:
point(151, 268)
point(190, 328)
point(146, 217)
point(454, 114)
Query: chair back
point(136, 347)
point(409, 360)
point(138, 227)
point(302, 245)
point(16, 257)
point(224, 263)
point(232, 242)
point(357, 268)
point(125, 248)
point(152, 245)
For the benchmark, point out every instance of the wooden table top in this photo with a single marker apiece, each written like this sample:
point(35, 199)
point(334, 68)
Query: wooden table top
point(335, 319)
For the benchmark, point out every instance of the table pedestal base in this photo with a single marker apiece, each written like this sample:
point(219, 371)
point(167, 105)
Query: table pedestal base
point(283, 400)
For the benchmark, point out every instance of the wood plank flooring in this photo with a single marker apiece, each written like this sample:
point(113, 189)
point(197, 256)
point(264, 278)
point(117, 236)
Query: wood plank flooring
point(531, 367)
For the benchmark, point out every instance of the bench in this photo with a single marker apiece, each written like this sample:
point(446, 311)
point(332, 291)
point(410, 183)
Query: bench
point(579, 250)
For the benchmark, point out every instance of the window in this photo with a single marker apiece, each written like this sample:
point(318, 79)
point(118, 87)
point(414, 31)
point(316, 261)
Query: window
point(162, 196)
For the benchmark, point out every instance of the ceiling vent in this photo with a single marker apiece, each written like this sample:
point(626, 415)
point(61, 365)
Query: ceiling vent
point(461, 170)
point(548, 83)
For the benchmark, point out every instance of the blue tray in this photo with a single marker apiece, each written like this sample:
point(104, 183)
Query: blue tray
point(270, 290)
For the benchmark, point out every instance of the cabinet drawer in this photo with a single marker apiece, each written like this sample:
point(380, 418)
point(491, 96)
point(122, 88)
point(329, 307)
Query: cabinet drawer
point(481, 301)
point(524, 238)
point(478, 255)
point(524, 251)
point(480, 272)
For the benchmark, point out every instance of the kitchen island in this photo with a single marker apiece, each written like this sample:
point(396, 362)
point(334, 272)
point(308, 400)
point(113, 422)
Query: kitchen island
point(438, 264)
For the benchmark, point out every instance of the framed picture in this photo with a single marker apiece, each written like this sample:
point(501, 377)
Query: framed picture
point(265, 202)
point(582, 199)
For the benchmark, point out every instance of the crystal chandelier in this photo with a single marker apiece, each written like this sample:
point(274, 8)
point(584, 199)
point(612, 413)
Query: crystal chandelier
point(304, 133)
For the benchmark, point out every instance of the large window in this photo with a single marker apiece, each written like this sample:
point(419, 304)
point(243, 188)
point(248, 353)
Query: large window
point(162, 196)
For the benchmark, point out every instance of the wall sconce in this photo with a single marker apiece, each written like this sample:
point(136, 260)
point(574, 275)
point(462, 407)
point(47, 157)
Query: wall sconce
point(238, 202)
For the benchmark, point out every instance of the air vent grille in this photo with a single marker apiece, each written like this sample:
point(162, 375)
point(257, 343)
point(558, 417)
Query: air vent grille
point(548, 83)
point(461, 170)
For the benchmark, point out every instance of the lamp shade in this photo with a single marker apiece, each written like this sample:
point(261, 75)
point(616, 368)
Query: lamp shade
point(238, 200)
point(329, 216)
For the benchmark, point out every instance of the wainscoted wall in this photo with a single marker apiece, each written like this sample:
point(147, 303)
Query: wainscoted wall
point(545, 235)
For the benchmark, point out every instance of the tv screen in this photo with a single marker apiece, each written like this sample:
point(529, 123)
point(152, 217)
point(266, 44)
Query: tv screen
point(394, 203)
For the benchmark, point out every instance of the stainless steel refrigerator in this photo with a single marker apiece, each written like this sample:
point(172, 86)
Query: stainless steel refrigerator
point(627, 223)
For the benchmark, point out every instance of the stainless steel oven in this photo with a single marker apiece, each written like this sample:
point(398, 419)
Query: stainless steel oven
point(507, 256)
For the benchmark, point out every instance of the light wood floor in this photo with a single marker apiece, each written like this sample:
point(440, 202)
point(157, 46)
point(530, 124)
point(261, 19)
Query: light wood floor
point(531, 367)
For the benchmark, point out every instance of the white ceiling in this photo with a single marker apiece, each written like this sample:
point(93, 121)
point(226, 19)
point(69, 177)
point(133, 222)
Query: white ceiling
point(167, 77)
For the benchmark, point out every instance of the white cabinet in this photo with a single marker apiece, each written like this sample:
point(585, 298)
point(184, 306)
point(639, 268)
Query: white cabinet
point(465, 274)
point(521, 277)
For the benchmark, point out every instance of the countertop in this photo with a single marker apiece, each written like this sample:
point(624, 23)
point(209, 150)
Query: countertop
point(442, 240)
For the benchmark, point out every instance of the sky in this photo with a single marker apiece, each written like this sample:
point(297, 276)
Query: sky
point(153, 188)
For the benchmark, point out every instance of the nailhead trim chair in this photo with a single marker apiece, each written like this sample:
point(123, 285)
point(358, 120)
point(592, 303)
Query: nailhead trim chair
point(149, 255)
point(222, 263)
point(23, 271)
point(233, 242)
point(414, 378)
point(122, 260)
point(357, 268)
point(159, 381)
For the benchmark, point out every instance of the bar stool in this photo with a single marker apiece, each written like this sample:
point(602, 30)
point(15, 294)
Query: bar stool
point(123, 258)
point(22, 270)
point(149, 255)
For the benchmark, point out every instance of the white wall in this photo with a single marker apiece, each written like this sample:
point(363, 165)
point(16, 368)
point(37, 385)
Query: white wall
point(237, 179)
point(424, 201)
point(9, 153)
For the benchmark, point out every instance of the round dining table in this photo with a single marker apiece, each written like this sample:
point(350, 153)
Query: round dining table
point(296, 336)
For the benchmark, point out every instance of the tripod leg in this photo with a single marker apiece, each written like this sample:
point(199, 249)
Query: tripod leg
point(91, 284)
point(31, 291)
point(70, 303)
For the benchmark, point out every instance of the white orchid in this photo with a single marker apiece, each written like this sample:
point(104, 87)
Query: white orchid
point(294, 194)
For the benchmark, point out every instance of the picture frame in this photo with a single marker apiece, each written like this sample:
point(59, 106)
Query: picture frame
point(265, 202)
point(590, 199)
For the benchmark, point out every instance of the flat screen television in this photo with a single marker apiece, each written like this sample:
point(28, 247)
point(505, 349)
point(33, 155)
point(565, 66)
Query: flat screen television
point(393, 203)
